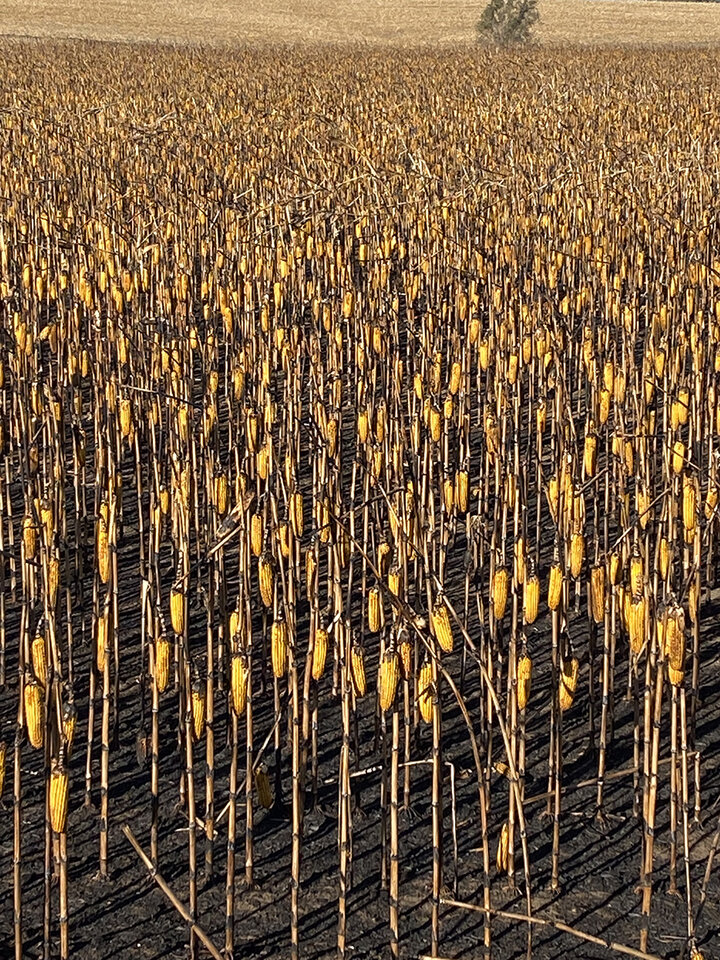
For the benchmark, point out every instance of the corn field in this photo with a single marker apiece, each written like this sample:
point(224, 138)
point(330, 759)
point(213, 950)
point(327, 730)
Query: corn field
point(359, 472)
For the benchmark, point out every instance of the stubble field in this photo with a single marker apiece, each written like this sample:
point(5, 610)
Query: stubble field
point(316, 358)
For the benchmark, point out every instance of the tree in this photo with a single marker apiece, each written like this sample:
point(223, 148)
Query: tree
point(508, 21)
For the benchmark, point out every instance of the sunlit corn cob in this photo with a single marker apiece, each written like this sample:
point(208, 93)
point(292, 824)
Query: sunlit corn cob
point(53, 578)
point(103, 549)
point(197, 699)
point(442, 628)
point(38, 654)
point(310, 568)
point(462, 480)
point(357, 669)
point(256, 533)
point(283, 538)
point(577, 554)
point(239, 673)
point(678, 457)
point(320, 649)
point(555, 584)
point(162, 663)
point(689, 507)
point(394, 580)
point(262, 787)
point(568, 682)
point(58, 796)
point(388, 677)
point(524, 680)
point(47, 520)
point(29, 537)
point(279, 646)
point(177, 607)
point(101, 640)
point(375, 613)
point(674, 643)
point(425, 692)
point(636, 624)
point(33, 699)
point(597, 592)
point(383, 557)
point(69, 722)
point(405, 652)
point(531, 596)
point(126, 421)
point(614, 568)
point(590, 454)
point(266, 577)
point(501, 858)
point(448, 490)
point(665, 555)
point(499, 591)
point(693, 599)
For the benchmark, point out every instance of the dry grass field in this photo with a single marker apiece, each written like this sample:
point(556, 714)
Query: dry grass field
point(375, 21)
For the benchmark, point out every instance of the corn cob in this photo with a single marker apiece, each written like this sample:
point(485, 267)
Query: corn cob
point(197, 700)
point(29, 537)
point(531, 598)
point(568, 682)
point(462, 480)
point(590, 454)
point(310, 567)
point(405, 652)
point(38, 653)
point(383, 557)
point(53, 580)
point(239, 674)
point(501, 858)
point(283, 537)
point(47, 520)
point(319, 651)
point(524, 680)
point(357, 669)
point(103, 550)
point(162, 663)
point(711, 501)
point(58, 796)
point(448, 490)
point(256, 533)
point(441, 625)
point(678, 457)
point(394, 578)
point(425, 692)
point(69, 721)
point(177, 607)
point(34, 712)
point(555, 585)
point(279, 646)
point(388, 677)
point(262, 786)
point(636, 622)
point(500, 591)
point(101, 640)
point(597, 592)
point(693, 599)
point(375, 612)
point(689, 507)
point(266, 577)
point(577, 554)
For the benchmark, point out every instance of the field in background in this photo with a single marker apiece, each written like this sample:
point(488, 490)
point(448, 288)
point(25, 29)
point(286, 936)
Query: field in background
point(375, 21)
